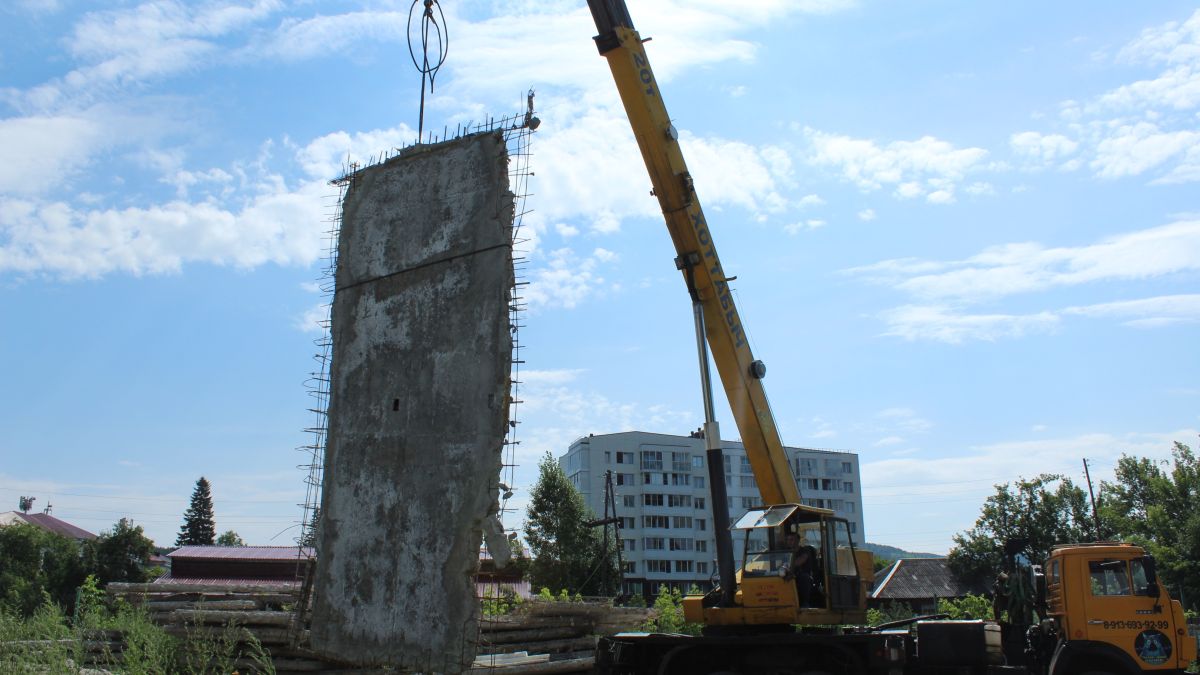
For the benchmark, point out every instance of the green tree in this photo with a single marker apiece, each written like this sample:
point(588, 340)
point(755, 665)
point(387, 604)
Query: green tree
point(122, 553)
point(567, 552)
point(199, 527)
point(230, 538)
point(309, 535)
point(1154, 504)
point(35, 564)
point(1045, 511)
point(970, 606)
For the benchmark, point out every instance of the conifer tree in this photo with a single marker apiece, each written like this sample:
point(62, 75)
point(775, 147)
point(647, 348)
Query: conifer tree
point(199, 528)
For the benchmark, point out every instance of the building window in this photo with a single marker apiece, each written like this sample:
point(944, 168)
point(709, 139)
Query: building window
point(701, 524)
point(681, 544)
point(810, 483)
point(630, 567)
point(629, 544)
point(607, 457)
point(698, 481)
point(831, 484)
point(679, 500)
point(806, 467)
point(701, 568)
point(849, 507)
point(627, 522)
point(744, 465)
point(832, 467)
point(853, 528)
point(624, 479)
point(624, 458)
point(848, 486)
point(847, 467)
point(681, 461)
point(682, 522)
point(728, 464)
point(702, 545)
point(652, 500)
point(679, 479)
point(658, 566)
point(651, 460)
point(747, 482)
point(747, 503)
point(654, 543)
point(659, 522)
point(699, 502)
point(697, 461)
point(629, 501)
point(683, 565)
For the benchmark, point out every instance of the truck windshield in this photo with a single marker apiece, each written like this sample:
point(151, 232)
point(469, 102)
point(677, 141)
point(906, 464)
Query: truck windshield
point(1109, 577)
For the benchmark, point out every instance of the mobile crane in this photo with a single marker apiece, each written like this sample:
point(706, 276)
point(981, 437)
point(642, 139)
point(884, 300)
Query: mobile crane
point(749, 618)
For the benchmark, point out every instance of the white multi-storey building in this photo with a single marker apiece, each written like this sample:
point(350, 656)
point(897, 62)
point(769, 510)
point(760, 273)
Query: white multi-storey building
point(662, 499)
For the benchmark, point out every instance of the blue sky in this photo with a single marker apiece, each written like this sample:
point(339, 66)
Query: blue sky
point(966, 235)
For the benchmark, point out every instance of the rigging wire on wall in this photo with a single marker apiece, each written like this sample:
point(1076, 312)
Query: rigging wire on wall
point(435, 25)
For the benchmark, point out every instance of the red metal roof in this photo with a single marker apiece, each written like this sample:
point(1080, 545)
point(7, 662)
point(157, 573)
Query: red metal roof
point(52, 524)
point(264, 553)
point(229, 581)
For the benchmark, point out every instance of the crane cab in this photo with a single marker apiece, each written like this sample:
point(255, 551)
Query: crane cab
point(799, 566)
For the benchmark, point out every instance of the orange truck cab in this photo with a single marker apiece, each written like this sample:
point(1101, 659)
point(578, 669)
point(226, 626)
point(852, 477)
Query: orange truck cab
point(1107, 613)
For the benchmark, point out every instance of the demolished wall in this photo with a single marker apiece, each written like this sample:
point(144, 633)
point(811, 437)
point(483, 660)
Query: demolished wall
point(418, 405)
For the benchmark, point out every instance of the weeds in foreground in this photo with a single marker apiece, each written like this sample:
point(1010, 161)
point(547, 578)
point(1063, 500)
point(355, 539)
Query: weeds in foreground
point(51, 642)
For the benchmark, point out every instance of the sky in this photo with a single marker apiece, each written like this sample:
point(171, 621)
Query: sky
point(966, 236)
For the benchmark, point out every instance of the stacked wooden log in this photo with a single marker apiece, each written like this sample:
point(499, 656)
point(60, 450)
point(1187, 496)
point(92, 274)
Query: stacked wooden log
point(539, 638)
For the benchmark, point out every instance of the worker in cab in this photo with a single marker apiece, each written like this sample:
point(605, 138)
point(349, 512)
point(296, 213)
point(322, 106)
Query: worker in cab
point(802, 567)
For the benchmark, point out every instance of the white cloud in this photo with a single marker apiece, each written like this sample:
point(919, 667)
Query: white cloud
point(129, 46)
point(1172, 42)
point(566, 280)
point(927, 167)
point(277, 225)
point(888, 440)
point(331, 156)
point(1132, 149)
point(41, 153)
point(1042, 149)
point(1003, 462)
point(314, 319)
point(809, 200)
point(904, 418)
point(866, 215)
point(804, 225)
point(565, 230)
point(1146, 312)
point(943, 324)
point(1028, 267)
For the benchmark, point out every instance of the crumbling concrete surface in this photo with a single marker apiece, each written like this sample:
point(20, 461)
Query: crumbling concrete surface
point(418, 406)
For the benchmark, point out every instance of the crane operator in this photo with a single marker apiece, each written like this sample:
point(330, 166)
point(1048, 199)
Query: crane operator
point(801, 567)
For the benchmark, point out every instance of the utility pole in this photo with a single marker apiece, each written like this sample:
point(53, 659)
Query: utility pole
point(1095, 514)
point(610, 519)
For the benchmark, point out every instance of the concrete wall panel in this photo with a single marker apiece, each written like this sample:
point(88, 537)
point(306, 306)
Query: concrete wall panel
point(418, 405)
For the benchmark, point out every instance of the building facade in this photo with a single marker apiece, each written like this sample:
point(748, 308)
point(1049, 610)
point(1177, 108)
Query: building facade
point(662, 499)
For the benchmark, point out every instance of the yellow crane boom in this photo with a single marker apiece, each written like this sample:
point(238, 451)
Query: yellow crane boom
point(741, 375)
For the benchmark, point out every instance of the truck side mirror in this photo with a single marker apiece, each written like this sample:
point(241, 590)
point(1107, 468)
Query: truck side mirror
point(1151, 571)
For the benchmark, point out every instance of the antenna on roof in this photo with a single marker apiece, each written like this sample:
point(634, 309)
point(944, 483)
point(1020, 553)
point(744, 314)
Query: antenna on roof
point(46, 510)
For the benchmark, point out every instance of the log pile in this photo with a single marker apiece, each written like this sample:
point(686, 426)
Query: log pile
point(539, 638)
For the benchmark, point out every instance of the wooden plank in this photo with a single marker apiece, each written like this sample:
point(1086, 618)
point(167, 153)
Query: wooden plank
point(250, 618)
point(580, 665)
point(130, 588)
point(170, 606)
point(529, 635)
point(544, 646)
point(523, 622)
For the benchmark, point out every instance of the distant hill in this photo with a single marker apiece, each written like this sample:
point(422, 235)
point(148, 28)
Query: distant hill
point(893, 553)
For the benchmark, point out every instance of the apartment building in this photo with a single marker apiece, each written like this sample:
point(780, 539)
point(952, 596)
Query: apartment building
point(662, 496)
